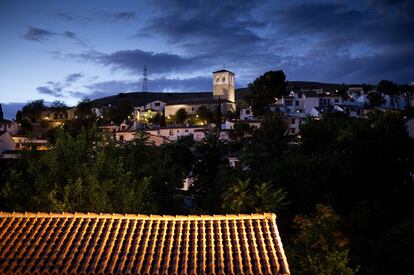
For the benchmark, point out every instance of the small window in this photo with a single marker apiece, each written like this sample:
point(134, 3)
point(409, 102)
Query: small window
point(217, 79)
point(293, 121)
point(157, 104)
point(186, 131)
point(171, 132)
point(297, 103)
point(247, 112)
point(123, 127)
point(223, 79)
point(292, 130)
point(121, 138)
point(336, 100)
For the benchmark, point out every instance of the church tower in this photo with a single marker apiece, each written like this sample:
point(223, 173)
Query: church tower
point(223, 85)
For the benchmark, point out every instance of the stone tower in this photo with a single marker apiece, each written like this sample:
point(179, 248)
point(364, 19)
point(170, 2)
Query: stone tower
point(223, 85)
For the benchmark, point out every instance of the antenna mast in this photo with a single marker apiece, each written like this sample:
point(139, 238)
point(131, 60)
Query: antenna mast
point(145, 80)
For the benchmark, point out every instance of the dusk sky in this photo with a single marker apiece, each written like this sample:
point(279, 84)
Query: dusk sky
point(66, 50)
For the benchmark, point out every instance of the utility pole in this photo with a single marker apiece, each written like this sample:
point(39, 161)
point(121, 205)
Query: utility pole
point(145, 80)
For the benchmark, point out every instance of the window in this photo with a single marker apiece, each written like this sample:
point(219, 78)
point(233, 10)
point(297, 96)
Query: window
point(336, 100)
point(247, 112)
point(223, 79)
point(171, 132)
point(186, 131)
point(297, 103)
point(292, 121)
point(121, 138)
point(123, 127)
point(217, 79)
point(157, 104)
point(292, 130)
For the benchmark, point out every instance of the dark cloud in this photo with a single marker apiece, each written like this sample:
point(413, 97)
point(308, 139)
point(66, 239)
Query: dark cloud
point(36, 34)
point(107, 88)
point(73, 77)
point(56, 92)
point(59, 88)
point(121, 16)
point(100, 16)
point(69, 34)
point(341, 41)
point(134, 61)
point(208, 27)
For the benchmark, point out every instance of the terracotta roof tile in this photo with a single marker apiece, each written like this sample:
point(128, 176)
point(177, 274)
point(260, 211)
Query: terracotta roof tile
point(147, 244)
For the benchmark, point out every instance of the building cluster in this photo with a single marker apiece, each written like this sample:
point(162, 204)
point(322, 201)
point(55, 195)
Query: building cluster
point(302, 104)
point(296, 107)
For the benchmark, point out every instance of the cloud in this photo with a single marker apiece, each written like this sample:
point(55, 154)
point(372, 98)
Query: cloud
point(227, 27)
point(162, 84)
point(310, 40)
point(134, 61)
point(73, 77)
point(59, 88)
point(36, 34)
point(69, 34)
point(99, 16)
point(56, 92)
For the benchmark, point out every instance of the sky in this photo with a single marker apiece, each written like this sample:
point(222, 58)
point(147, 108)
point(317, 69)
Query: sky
point(68, 50)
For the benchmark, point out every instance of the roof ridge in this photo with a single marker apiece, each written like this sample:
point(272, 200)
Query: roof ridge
point(139, 216)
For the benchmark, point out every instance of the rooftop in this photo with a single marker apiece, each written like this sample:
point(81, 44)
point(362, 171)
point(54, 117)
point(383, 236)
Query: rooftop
point(223, 71)
point(125, 243)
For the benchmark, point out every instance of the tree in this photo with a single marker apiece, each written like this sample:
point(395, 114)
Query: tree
point(84, 109)
point(19, 117)
point(319, 247)
point(180, 116)
point(387, 87)
point(265, 89)
point(33, 110)
point(205, 114)
point(162, 119)
point(375, 99)
point(245, 197)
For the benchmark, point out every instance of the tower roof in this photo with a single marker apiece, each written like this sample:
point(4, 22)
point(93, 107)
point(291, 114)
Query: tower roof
point(151, 244)
point(223, 71)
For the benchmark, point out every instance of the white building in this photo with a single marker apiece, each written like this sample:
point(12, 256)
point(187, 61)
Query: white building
point(10, 126)
point(302, 102)
point(6, 142)
point(223, 94)
point(174, 132)
point(246, 114)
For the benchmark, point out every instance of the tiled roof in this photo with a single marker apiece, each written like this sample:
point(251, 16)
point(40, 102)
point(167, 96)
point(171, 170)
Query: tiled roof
point(117, 243)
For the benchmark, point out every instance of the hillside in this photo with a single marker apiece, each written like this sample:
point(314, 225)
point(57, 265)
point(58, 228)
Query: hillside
point(141, 98)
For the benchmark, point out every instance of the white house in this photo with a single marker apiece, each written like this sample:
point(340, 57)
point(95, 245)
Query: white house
point(246, 114)
point(10, 126)
point(410, 127)
point(293, 123)
point(302, 102)
point(6, 142)
point(229, 123)
point(319, 111)
point(23, 142)
point(174, 132)
point(156, 105)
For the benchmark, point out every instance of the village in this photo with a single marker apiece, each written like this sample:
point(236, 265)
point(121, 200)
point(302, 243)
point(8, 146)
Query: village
point(169, 118)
